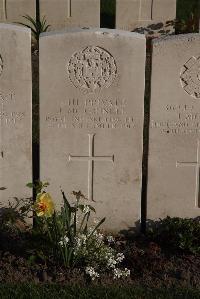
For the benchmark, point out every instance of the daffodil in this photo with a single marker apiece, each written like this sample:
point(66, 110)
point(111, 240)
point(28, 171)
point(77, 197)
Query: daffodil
point(44, 206)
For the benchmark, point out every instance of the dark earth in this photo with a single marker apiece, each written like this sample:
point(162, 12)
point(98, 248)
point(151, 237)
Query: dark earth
point(150, 264)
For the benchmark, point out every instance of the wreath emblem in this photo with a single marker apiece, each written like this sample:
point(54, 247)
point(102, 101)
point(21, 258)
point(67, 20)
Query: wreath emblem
point(190, 77)
point(92, 69)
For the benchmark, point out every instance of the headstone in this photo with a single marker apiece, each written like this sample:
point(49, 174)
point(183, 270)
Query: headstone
point(174, 146)
point(92, 90)
point(146, 16)
point(15, 112)
point(12, 10)
point(71, 13)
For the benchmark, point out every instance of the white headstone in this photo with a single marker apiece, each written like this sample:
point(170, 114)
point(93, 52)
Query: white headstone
point(12, 10)
point(71, 13)
point(91, 95)
point(15, 112)
point(174, 149)
point(148, 16)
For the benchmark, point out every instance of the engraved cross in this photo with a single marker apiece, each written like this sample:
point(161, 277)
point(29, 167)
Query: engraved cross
point(146, 10)
point(69, 8)
point(195, 164)
point(91, 158)
point(4, 9)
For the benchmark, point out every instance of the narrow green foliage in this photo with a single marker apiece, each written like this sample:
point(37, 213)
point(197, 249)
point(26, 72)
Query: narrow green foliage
point(14, 213)
point(38, 186)
point(37, 26)
point(177, 234)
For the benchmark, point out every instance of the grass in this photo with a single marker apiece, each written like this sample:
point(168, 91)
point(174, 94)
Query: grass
point(24, 291)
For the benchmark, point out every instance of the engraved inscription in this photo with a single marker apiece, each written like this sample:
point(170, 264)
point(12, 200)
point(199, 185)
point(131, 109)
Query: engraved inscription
point(8, 115)
point(181, 119)
point(195, 164)
point(190, 77)
point(92, 69)
point(91, 158)
point(92, 113)
point(1, 65)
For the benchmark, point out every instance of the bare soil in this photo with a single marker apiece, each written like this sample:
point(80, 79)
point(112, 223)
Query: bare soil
point(150, 265)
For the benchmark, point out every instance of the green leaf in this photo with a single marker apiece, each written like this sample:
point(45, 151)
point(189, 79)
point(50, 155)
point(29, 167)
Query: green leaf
point(30, 185)
point(92, 209)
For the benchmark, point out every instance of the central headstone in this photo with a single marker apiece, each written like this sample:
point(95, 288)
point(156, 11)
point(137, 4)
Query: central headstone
point(15, 112)
point(70, 13)
point(92, 91)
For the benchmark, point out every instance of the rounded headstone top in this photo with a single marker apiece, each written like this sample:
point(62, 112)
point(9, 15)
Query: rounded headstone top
point(14, 27)
point(98, 31)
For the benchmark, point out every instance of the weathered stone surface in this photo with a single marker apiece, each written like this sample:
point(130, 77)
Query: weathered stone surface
point(15, 112)
point(147, 16)
point(174, 150)
point(71, 13)
point(92, 90)
point(13, 10)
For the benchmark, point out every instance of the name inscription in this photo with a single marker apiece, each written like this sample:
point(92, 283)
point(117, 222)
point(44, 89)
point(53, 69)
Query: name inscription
point(92, 113)
point(8, 115)
point(181, 119)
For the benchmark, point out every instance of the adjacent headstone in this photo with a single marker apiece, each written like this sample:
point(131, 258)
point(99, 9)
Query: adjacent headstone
point(91, 96)
point(147, 16)
point(15, 112)
point(12, 10)
point(71, 13)
point(174, 146)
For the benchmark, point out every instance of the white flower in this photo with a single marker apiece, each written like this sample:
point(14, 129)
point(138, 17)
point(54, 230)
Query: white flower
point(61, 243)
point(80, 240)
point(90, 271)
point(120, 257)
point(111, 262)
point(127, 272)
point(100, 237)
point(64, 241)
point(110, 239)
point(86, 209)
point(118, 273)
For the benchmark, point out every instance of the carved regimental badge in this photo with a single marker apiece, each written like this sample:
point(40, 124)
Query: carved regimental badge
point(190, 77)
point(1, 65)
point(92, 69)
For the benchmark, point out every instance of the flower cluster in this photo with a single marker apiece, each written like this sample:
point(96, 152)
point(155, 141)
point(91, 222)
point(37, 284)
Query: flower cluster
point(77, 242)
point(113, 260)
point(64, 241)
point(80, 241)
point(91, 272)
point(101, 257)
point(118, 273)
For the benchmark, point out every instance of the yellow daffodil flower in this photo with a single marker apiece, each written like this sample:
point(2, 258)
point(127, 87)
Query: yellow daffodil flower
point(44, 206)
